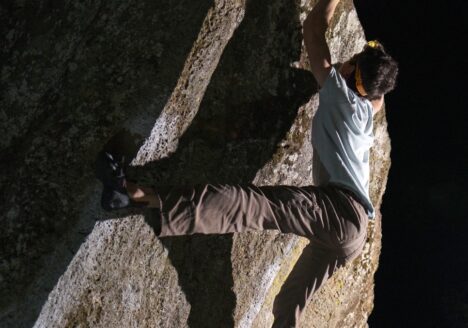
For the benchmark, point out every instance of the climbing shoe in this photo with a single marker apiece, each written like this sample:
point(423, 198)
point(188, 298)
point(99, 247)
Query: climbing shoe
point(110, 171)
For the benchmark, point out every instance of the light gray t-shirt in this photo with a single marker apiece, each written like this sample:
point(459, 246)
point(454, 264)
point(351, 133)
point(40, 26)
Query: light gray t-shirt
point(342, 136)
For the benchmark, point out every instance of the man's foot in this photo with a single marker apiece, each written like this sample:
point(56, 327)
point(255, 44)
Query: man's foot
point(110, 171)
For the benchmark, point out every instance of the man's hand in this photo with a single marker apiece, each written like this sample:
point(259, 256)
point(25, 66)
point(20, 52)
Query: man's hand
point(315, 26)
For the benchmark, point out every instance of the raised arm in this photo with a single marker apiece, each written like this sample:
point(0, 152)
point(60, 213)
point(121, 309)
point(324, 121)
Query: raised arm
point(315, 26)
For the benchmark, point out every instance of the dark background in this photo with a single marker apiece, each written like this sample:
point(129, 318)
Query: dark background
point(422, 280)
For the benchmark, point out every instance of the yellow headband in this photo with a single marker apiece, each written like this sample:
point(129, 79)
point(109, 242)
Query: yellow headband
point(359, 86)
point(357, 72)
point(373, 44)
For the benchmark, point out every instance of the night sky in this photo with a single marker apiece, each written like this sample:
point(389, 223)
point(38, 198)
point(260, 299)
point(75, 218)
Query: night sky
point(422, 280)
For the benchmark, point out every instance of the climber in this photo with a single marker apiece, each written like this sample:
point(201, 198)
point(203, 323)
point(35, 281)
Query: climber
point(333, 215)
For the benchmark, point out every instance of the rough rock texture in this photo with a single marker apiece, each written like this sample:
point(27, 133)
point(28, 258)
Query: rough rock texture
point(74, 74)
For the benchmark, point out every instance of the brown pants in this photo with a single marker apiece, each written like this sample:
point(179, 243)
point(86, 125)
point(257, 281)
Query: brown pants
point(331, 217)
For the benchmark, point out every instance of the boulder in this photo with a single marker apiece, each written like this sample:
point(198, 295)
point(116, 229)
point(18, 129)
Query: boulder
point(191, 92)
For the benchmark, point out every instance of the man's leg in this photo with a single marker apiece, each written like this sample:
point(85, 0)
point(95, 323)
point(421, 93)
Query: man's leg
point(219, 209)
point(322, 212)
point(331, 248)
point(315, 265)
point(313, 268)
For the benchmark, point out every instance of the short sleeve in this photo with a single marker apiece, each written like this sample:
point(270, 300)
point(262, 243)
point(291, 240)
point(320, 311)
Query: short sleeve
point(334, 88)
point(341, 104)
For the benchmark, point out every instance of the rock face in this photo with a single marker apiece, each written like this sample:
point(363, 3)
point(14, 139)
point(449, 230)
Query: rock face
point(208, 91)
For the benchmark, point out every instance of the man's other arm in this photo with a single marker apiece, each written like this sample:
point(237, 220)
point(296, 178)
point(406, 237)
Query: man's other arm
point(315, 26)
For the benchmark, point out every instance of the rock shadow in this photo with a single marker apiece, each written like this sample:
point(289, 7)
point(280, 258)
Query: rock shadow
point(111, 50)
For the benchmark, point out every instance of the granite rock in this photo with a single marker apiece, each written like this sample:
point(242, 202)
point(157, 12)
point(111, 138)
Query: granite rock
point(191, 92)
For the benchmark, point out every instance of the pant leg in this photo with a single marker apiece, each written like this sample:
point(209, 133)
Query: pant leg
point(339, 238)
point(327, 213)
point(315, 265)
point(219, 209)
point(313, 268)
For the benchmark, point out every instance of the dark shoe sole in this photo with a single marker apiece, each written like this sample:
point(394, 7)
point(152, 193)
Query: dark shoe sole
point(114, 200)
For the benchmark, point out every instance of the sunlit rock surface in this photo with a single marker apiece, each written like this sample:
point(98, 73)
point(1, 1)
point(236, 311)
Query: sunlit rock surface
point(208, 91)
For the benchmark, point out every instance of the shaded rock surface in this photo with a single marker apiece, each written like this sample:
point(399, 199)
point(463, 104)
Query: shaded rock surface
point(209, 91)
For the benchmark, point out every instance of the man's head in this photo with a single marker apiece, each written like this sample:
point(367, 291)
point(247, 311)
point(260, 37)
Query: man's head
point(374, 72)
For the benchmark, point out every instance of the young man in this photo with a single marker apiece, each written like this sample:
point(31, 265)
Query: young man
point(333, 216)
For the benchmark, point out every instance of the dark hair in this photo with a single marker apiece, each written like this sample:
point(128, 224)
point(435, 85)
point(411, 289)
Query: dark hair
point(378, 71)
